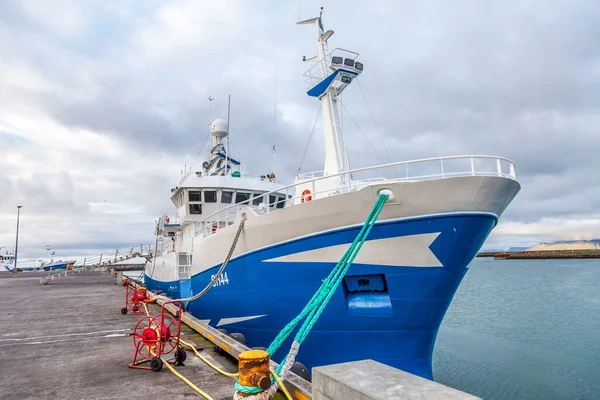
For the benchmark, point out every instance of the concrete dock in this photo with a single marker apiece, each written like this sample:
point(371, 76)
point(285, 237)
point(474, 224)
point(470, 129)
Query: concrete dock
point(68, 340)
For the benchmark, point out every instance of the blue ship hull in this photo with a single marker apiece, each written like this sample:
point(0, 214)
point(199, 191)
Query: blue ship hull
point(386, 313)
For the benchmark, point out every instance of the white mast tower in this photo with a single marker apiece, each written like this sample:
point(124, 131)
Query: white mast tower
point(327, 79)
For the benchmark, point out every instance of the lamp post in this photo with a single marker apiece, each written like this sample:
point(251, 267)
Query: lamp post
point(17, 240)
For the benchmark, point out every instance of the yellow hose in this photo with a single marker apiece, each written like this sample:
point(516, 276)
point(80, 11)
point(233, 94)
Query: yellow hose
point(213, 366)
point(190, 384)
point(183, 378)
point(200, 356)
point(281, 387)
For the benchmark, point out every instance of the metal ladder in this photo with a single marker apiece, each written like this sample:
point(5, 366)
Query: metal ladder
point(184, 263)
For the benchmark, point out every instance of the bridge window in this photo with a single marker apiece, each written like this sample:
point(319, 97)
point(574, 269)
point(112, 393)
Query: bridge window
point(272, 200)
point(210, 196)
point(280, 202)
point(242, 198)
point(226, 197)
point(195, 195)
point(257, 200)
point(195, 208)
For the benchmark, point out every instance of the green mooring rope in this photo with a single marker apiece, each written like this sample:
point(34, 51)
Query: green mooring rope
point(312, 311)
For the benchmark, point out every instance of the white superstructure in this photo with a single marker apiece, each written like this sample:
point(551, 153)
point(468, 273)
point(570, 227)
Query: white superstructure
point(219, 185)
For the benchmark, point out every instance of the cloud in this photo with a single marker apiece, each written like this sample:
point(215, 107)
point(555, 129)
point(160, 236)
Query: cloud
point(103, 104)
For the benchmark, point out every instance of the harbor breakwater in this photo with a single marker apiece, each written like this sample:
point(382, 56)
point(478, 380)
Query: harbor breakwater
point(542, 254)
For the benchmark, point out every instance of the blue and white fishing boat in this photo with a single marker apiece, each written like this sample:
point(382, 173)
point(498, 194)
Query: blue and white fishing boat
point(56, 265)
point(394, 296)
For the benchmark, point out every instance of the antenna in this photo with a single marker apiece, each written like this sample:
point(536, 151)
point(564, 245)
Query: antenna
point(228, 126)
point(274, 120)
point(210, 100)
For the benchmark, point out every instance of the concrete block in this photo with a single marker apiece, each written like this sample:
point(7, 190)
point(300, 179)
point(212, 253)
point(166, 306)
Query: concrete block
point(371, 380)
point(316, 395)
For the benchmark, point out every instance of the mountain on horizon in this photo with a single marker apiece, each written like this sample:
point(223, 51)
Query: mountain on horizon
point(593, 244)
point(592, 241)
point(513, 249)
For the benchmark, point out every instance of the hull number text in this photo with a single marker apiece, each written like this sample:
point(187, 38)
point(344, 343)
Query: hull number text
point(223, 280)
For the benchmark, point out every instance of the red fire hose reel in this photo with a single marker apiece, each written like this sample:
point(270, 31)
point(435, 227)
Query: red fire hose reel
point(157, 336)
point(135, 298)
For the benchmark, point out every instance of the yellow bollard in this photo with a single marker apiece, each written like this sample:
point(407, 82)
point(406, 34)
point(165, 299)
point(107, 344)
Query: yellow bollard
point(254, 369)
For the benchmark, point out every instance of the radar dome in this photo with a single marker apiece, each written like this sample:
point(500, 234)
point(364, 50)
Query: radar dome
point(219, 128)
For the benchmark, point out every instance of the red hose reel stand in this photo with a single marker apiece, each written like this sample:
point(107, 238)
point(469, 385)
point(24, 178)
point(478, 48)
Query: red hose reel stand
point(157, 336)
point(135, 298)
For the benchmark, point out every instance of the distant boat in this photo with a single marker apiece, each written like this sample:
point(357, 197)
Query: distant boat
point(58, 265)
point(7, 261)
point(55, 265)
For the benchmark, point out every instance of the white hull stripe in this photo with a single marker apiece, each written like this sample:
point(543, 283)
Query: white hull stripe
point(227, 321)
point(406, 251)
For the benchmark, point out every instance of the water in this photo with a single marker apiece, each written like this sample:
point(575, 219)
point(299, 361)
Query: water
point(523, 329)
point(139, 275)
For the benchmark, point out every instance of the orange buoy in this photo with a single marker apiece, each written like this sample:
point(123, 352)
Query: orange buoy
point(306, 196)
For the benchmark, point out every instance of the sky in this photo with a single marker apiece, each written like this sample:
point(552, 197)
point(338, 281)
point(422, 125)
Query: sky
point(103, 103)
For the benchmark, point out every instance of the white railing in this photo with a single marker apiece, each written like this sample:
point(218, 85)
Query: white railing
point(114, 256)
point(323, 186)
point(165, 245)
point(242, 175)
point(471, 169)
point(100, 261)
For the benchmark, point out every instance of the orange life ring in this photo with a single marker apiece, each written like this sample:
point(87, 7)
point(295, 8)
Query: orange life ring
point(305, 196)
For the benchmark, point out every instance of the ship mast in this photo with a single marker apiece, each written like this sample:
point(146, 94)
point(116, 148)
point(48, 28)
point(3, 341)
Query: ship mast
point(327, 79)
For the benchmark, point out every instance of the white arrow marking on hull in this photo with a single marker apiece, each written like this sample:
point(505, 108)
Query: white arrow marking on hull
point(405, 251)
point(227, 321)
